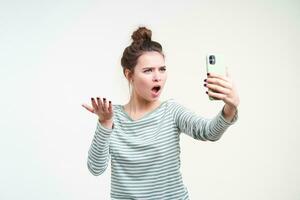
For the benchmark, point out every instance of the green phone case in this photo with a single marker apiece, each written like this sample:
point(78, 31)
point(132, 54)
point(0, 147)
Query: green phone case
point(215, 64)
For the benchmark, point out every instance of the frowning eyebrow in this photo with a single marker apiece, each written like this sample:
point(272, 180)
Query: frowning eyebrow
point(153, 67)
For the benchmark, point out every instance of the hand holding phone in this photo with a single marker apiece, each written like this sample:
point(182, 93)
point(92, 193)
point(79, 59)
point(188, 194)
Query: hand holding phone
point(215, 64)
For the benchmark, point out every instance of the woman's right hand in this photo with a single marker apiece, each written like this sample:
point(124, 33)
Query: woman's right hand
point(101, 108)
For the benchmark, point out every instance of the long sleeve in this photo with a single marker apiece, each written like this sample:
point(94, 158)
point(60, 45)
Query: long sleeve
point(201, 128)
point(98, 154)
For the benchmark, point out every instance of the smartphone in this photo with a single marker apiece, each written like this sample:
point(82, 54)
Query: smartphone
point(215, 64)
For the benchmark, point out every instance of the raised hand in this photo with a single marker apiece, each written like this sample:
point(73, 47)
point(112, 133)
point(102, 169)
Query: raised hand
point(101, 108)
point(222, 88)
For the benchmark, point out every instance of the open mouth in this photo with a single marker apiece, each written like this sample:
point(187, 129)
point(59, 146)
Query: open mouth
point(156, 89)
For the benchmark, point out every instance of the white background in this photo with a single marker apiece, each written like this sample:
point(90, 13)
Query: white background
point(56, 55)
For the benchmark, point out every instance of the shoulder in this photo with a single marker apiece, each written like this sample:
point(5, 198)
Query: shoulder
point(174, 105)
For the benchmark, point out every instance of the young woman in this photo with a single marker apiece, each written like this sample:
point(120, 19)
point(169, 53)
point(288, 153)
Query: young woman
point(142, 137)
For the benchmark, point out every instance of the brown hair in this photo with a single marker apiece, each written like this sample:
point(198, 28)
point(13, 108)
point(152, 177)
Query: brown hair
point(141, 43)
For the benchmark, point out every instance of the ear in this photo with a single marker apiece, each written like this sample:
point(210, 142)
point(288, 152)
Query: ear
point(128, 74)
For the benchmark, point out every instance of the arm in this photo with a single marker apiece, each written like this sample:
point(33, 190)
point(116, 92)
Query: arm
point(225, 90)
point(201, 128)
point(98, 154)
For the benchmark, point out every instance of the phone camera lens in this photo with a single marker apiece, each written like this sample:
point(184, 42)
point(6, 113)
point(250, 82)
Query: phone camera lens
point(212, 59)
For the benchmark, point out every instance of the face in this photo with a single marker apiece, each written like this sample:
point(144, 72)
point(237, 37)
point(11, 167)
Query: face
point(149, 75)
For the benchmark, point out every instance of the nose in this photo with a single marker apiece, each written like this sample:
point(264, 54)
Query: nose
point(156, 77)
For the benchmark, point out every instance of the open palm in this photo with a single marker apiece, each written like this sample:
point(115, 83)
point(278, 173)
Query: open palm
point(101, 108)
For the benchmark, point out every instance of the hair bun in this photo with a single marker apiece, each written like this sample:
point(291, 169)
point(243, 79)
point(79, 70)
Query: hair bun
point(141, 34)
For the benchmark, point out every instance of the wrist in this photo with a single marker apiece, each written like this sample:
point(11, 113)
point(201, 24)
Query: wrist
point(230, 108)
point(106, 123)
point(229, 112)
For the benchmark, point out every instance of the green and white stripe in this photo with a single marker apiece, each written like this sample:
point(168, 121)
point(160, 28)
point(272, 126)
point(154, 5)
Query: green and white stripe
point(145, 153)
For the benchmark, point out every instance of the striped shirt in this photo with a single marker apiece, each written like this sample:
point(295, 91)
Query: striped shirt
point(145, 153)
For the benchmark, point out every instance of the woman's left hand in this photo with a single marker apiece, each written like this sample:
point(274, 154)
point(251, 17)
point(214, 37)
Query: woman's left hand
point(222, 88)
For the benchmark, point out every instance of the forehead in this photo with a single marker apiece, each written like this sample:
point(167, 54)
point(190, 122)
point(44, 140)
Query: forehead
point(150, 59)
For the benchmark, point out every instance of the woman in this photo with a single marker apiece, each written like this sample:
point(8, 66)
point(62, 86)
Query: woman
point(142, 137)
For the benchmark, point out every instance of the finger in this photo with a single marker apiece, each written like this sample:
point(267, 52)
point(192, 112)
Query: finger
point(104, 106)
point(216, 95)
point(88, 107)
point(220, 82)
point(99, 102)
point(110, 107)
point(95, 106)
point(215, 75)
point(218, 88)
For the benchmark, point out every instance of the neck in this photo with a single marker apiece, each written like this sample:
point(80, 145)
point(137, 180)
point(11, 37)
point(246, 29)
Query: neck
point(137, 104)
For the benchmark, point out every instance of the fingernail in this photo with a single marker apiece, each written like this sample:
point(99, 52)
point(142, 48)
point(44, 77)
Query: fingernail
point(109, 101)
point(208, 74)
point(205, 84)
point(92, 98)
point(98, 98)
point(206, 92)
point(104, 99)
point(205, 80)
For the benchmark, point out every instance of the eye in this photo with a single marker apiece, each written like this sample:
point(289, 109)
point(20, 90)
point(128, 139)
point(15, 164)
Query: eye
point(147, 70)
point(163, 69)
